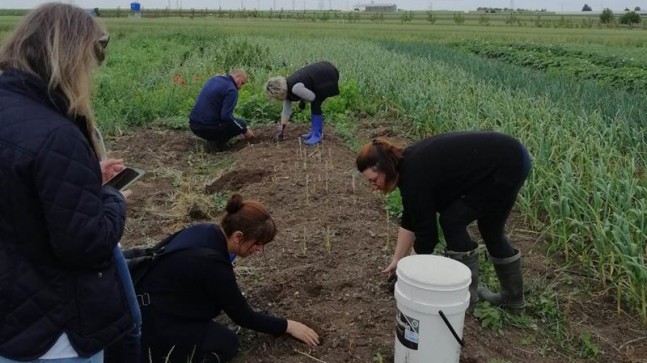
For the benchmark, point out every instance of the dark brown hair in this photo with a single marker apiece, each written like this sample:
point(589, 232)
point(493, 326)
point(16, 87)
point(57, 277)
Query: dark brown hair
point(249, 217)
point(382, 154)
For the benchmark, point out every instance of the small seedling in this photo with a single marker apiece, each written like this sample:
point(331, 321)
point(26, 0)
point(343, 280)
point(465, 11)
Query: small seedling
point(319, 152)
point(328, 244)
point(387, 243)
point(307, 191)
point(326, 175)
point(300, 148)
point(304, 244)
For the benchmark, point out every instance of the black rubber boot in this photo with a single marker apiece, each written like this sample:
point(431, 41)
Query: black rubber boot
point(508, 271)
point(215, 146)
point(471, 260)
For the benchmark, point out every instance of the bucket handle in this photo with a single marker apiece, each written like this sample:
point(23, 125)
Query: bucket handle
point(451, 328)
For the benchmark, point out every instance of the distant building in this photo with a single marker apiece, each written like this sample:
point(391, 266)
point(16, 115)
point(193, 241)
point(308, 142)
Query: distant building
point(376, 7)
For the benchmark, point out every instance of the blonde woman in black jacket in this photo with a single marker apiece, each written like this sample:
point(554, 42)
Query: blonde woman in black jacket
point(61, 298)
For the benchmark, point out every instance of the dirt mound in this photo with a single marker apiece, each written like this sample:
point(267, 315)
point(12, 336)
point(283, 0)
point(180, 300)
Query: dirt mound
point(235, 180)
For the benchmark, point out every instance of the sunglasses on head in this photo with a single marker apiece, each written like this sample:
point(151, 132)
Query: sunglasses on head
point(104, 40)
point(100, 48)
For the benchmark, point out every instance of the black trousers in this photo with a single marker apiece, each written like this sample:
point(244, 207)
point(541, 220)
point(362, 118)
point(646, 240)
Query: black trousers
point(179, 343)
point(315, 106)
point(220, 132)
point(491, 224)
point(490, 219)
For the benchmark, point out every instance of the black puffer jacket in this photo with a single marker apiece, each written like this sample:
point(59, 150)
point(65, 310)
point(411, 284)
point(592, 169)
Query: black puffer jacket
point(58, 229)
point(322, 78)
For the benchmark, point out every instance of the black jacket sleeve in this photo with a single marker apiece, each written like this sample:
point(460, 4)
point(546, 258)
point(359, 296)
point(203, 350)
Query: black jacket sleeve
point(223, 289)
point(419, 216)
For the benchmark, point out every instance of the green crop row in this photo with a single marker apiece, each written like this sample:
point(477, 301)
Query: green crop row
point(616, 71)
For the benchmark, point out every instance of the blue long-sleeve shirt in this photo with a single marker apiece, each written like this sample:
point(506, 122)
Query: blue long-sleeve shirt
point(216, 103)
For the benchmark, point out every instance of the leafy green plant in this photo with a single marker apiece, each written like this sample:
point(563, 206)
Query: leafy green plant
point(431, 19)
point(394, 204)
point(255, 106)
point(606, 17)
point(220, 200)
point(589, 348)
point(490, 317)
point(630, 18)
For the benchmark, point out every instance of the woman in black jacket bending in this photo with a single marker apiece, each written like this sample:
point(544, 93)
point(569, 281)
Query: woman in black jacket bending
point(462, 177)
point(184, 291)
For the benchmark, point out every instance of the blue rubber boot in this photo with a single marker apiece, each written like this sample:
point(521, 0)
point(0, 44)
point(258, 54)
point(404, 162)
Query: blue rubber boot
point(308, 135)
point(317, 130)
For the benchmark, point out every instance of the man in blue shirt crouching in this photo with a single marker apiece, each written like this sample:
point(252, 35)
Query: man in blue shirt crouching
point(212, 117)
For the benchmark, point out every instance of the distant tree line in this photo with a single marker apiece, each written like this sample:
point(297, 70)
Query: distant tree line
point(586, 7)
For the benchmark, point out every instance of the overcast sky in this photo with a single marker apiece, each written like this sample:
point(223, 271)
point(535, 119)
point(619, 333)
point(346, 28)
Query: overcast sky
point(551, 5)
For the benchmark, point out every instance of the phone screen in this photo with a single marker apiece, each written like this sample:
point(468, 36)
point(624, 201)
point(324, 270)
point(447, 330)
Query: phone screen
point(125, 178)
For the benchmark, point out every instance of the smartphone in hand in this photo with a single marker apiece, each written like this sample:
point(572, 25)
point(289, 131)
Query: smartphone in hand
point(125, 178)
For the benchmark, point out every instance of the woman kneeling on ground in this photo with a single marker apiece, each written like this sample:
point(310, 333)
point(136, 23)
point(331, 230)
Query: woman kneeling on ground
point(184, 291)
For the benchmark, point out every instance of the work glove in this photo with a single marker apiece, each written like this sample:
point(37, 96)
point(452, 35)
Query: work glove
point(302, 105)
point(279, 134)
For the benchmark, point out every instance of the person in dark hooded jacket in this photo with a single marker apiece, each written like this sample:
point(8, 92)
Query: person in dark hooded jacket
point(61, 297)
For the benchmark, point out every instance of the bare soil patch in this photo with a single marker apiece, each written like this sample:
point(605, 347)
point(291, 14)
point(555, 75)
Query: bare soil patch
point(334, 238)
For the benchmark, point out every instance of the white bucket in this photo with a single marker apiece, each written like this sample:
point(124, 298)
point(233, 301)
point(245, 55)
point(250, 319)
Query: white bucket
point(428, 288)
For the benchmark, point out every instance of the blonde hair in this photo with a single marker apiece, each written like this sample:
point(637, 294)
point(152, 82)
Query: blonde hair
point(277, 88)
point(59, 44)
point(239, 73)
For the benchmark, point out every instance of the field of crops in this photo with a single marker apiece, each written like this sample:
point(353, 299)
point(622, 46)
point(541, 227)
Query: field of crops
point(576, 97)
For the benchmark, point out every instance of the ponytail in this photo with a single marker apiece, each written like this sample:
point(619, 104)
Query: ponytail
point(249, 217)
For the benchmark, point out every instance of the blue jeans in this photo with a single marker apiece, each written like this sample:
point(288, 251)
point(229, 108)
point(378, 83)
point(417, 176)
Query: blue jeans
point(131, 342)
point(97, 358)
